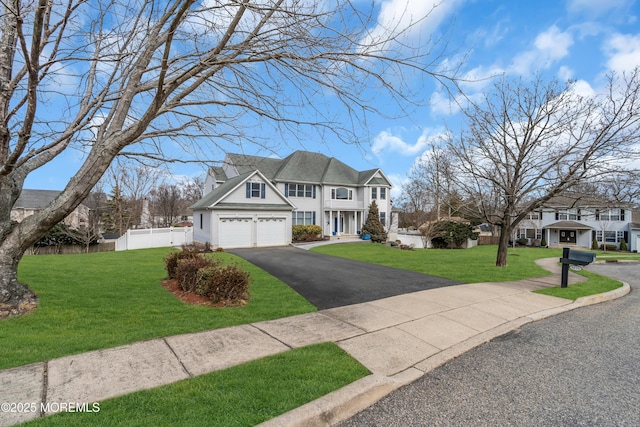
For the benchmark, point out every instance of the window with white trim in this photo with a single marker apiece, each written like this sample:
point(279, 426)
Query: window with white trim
point(383, 218)
point(300, 190)
point(341, 193)
point(529, 233)
point(383, 193)
point(568, 214)
point(303, 218)
point(610, 215)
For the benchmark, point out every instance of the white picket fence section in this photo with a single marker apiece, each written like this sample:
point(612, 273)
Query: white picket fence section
point(155, 238)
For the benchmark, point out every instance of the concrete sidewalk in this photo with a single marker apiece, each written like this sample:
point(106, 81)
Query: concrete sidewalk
point(398, 339)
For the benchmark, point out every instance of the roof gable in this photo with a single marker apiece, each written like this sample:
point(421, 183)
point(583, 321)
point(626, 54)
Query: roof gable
point(218, 195)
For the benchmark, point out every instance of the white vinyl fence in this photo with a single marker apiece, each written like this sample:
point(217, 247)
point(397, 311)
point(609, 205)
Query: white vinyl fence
point(155, 238)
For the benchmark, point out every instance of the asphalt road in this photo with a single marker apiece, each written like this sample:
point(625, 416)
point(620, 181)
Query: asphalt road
point(328, 282)
point(580, 368)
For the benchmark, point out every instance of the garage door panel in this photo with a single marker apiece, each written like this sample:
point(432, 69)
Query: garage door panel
point(271, 232)
point(235, 232)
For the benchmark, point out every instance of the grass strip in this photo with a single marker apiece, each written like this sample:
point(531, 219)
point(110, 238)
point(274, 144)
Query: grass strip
point(473, 265)
point(595, 285)
point(244, 395)
point(95, 301)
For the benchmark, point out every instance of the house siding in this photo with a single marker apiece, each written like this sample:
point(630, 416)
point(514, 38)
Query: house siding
point(589, 226)
point(325, 174)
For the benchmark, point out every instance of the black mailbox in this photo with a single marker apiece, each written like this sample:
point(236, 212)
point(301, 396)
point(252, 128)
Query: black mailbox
point(570, 257)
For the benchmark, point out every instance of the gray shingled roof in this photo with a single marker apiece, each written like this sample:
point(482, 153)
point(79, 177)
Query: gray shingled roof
point(218, 192)
point(245, 163)
point(35, 199)
point(304, 167)
point(219, 173)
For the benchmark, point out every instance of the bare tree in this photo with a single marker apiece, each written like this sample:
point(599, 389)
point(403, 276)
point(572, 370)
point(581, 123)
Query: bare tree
point(133, 181)
point(528, 142)
point(167, 204)
point(140, 79)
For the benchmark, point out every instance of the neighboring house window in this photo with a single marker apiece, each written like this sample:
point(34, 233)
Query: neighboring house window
point(610, 215)
point(374, 193)
point(620, 236)
point(534, 216)
point(529, 233)
point(383, 193)
point(300, 190)
point(568, 214)
point(609, 236)
point(256, 190)
point(303, 218)
point(341, 194)
point(383, 218)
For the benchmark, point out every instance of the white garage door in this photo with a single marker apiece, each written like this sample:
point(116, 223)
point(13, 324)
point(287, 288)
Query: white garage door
point(235, 232)
point(272, 232)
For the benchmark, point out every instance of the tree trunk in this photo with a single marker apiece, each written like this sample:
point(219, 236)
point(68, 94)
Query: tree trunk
point(15, 298)
point(503, 246)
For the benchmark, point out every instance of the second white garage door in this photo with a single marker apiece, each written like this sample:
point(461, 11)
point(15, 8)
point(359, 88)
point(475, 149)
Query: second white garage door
point(235, 232)
point(272, 232)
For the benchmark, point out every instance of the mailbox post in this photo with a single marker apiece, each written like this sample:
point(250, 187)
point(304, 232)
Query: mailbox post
point(570, 257)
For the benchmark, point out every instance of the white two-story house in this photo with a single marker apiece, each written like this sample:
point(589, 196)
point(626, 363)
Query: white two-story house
point(565, 222)
point(254, 201)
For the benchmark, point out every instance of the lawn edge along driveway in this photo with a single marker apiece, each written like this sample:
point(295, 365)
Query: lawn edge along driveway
point(328, 282)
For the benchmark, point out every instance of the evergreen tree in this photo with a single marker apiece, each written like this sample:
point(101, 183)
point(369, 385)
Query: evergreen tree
point(373, 226)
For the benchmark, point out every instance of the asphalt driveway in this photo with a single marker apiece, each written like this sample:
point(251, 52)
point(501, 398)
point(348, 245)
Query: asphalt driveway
point(328, 282)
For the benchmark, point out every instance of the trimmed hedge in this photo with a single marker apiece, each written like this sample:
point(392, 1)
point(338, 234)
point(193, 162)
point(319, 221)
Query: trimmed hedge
point(306, 232)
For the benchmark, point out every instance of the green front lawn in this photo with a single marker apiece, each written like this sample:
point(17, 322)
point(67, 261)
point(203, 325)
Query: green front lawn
point(244, 395)
point(94, 301)
point(472, 265)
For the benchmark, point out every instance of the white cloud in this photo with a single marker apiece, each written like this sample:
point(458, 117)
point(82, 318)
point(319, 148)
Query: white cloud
point(623, 52)
point(549, 47)
point(565, 73)
point(595, 6)
point(410, 18)
point(398, 181)
point(385, 143)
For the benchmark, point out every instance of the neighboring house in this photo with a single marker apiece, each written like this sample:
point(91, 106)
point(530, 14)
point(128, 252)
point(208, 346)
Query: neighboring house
point(564, 221)
point(32, 201)
point(254, 201)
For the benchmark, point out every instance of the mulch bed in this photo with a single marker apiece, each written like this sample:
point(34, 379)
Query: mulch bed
point(194, 299)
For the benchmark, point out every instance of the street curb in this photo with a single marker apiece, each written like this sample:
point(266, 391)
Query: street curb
point(344, 403)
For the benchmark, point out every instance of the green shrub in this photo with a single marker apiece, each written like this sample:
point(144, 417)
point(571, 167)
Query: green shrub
point(623, 245)
point(522, 241)
point(543, 243)
point(306, 232)
point(223, 284)
point(608, 247)
point(187, 272)
point(594, 244)
point(171, 260)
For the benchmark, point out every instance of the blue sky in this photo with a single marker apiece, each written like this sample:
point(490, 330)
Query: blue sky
point(573, 39)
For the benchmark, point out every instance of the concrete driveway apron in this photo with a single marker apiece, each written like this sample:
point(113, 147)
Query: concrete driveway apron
point(328, 282)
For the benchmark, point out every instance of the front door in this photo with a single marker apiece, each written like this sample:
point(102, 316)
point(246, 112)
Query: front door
point(568, 237)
